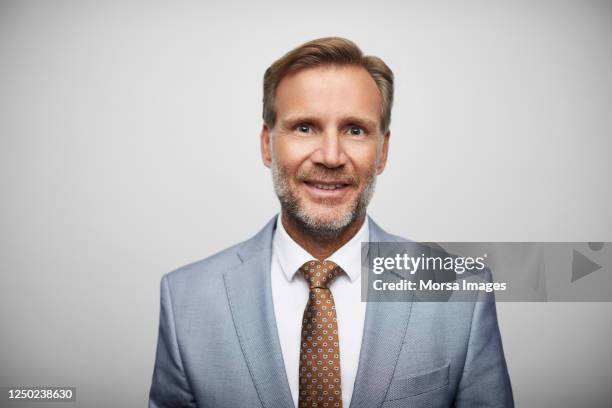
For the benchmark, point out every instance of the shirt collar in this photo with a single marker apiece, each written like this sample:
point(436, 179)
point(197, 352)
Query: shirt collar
point(292, 256)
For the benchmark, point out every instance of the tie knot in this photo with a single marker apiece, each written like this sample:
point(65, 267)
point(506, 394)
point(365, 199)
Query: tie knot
point(320, 274)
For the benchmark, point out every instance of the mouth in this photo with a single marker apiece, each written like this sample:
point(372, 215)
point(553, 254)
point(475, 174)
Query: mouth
point(327, 188)
point(326, 185)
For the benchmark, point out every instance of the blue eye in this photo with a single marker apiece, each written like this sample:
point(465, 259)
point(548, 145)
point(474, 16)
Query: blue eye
point(303, 128)
point(355, 131)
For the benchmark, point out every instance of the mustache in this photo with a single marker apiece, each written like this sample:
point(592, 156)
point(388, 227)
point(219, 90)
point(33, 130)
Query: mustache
point(326, 174)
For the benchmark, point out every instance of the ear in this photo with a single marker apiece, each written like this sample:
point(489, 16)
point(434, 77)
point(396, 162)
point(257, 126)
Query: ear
point(266, 154)
point(382, 161)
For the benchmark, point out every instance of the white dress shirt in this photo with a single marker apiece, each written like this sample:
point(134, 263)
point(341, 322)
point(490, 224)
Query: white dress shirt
point(290, 294)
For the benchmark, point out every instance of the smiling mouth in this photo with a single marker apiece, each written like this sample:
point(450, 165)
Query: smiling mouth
point(326, 185)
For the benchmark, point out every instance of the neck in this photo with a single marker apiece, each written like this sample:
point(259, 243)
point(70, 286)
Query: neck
point(320, 245)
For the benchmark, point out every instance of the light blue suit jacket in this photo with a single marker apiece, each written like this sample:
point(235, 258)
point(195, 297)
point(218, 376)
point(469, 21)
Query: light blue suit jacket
point(218, 344)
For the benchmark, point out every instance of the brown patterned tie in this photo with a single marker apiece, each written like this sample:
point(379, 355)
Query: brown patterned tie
point(319, 349)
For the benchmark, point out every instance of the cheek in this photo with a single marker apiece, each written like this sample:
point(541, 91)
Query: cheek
point(363, 156)
point(290, 153)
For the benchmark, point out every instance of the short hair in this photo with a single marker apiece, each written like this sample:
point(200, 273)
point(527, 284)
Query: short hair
point(327, 51)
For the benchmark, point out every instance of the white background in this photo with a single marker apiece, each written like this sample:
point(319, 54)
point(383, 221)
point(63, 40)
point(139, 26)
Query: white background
point(129, 147)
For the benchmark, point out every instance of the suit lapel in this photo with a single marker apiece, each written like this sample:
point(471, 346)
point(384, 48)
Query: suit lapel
point(249, 293)
point(384, 331)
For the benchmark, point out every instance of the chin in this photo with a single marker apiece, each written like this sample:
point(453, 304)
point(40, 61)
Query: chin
point(326, 218)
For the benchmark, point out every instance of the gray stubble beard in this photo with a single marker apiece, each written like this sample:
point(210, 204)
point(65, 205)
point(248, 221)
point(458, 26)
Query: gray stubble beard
point(291, 207)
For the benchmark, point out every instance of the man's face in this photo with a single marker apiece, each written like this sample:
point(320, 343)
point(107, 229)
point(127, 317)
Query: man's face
point(325, 149)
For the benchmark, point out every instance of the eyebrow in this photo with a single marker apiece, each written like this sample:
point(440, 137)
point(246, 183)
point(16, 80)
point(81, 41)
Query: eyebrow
point(363, 122)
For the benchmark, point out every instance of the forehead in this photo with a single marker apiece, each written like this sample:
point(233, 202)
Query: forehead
point(329, 91)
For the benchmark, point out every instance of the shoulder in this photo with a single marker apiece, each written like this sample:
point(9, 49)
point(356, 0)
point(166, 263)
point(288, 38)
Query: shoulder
point(378, 234)
point(399, 244)
point(207, 268)
point(214, 266)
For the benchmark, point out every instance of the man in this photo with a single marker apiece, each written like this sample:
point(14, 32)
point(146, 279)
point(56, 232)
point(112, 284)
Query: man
point(277, 321)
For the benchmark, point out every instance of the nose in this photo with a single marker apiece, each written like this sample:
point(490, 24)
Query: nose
point(331, 152)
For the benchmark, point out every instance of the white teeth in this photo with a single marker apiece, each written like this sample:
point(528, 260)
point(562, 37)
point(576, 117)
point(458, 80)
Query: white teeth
point(328, 187)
